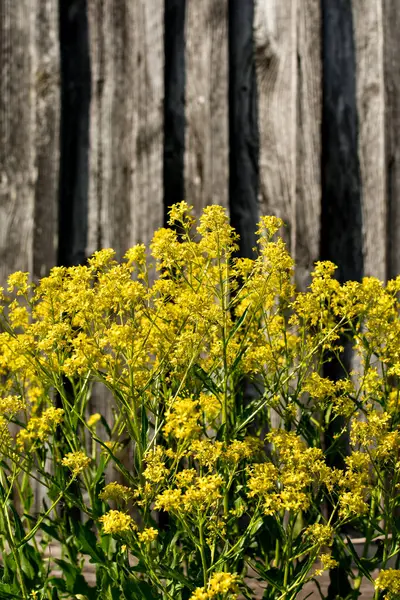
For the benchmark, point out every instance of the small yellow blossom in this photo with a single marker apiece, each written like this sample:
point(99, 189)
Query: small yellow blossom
point(10, 405)
point(148, 535)
point(319, 534)
point(389, 580)
point(117, 492)
point(219, 583)
point(93, 420)
point(76, 461)
point(155, 470)
point(327, 562)
point(115, 522)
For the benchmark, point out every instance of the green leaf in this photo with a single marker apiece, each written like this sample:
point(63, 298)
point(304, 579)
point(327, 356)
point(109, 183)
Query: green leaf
point(8, 591)
point(206, 379)
point(19, 528)
point(88, 542)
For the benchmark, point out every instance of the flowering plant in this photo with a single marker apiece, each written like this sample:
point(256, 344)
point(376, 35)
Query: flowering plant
point(225, 446)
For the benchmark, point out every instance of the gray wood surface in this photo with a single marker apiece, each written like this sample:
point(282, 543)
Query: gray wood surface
point(126, 122)
point(206, 132)
point(18, 173)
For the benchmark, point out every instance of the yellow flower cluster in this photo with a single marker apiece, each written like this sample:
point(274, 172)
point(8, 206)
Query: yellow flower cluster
point(327, 562)
point(116, 492)
point(319, 534)
point(76, 461)
point(388, 581)
point(219, 583)
point(10, 405)
point(115, 522)
point(38, 429)
point(285, 484)
point(182, 419)
point(201, 494)
point(148, 535)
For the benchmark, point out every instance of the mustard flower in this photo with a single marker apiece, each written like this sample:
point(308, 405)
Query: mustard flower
point(117, 492)
point(115, 522)
point(76, 462)
point(148, 535)
point(389, 580)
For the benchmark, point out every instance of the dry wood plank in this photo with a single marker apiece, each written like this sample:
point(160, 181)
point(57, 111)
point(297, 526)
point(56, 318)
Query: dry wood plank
point(275, 37)
point(206, 132)
point(391, 59)
point(309, 115)
point(17, 135)
point(125, 189)
point(47, 137)
point(368, 35)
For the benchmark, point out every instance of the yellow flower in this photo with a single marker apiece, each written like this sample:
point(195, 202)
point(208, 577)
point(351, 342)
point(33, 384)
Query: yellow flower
point(389, 580)
point(169, 500)
point(93, 419)
point(155, 470)
point(10, 405)
point(319, 534)
point(39, 428)
point(327, 562)
point(181, 420)
point(115, 491)
point(206, 452)
point(148, 535)
point(18, 281)
point(115, 522)
point(219, 583)
point(76, 461)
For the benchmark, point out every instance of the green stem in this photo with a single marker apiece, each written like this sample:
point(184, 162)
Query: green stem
point(202, 552)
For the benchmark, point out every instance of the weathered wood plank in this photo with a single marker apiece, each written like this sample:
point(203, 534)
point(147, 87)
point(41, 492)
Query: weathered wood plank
point(47, 137)
point(308, 140)
point(391, 59)
point(368, 36)
point(275, 46)
point(206, 132)
point(17, 135)
point(125, 190)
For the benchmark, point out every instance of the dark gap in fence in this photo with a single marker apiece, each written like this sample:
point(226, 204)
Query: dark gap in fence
point(174, 103)
point(74, 134)
point(74, 160)
point(341, 214)
point(243, 125)
point(341, 209)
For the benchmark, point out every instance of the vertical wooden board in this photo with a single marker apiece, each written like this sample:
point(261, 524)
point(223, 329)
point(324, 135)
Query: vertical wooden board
point(275, 36)
point(309, 115)
point(368, 35)
point(206, 132)
point(47, 80)
point(391, 28)
point(125, 197)
point(148, 95)
point(17, 135)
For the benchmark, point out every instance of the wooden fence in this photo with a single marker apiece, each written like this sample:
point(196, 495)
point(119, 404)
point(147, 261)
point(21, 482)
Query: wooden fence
point(111, 110)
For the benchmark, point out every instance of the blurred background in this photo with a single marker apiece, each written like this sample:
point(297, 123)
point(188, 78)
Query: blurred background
point(112, 110)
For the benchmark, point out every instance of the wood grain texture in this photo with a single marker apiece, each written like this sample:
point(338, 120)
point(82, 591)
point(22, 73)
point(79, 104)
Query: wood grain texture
point(17, 135)
point(125, 189)
point(368, 36)
point(308, 140)
point(206, 132)
point(275, 32)
point(391, 59)
point(47, 80)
